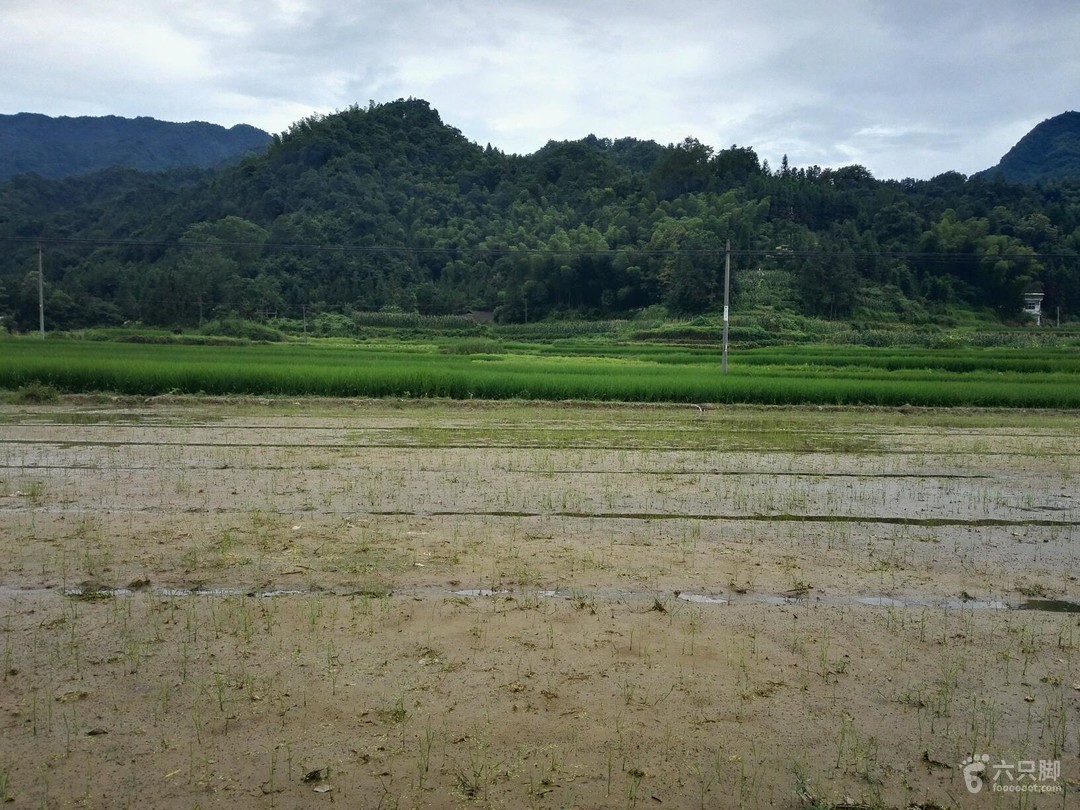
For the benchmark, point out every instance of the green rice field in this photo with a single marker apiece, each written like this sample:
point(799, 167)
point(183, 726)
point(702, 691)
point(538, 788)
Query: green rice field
point(1047, 377)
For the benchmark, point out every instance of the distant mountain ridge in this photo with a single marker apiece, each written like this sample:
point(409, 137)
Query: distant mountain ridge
point(1051, 151)
point(63, 147)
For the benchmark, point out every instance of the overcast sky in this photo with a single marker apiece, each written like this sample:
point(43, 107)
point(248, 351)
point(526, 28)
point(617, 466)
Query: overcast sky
point(907, 88)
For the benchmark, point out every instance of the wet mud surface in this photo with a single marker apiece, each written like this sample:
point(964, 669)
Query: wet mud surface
point(434, 605)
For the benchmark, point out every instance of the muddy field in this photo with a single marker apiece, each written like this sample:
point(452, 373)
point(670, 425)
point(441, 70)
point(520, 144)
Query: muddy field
point(393, 605)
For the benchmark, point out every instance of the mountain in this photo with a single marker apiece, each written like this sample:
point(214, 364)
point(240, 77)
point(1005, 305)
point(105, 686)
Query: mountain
point(64, 147)
point(1051, 151)
point(389, 208)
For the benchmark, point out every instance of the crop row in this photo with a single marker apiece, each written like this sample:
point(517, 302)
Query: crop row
point(428, 370)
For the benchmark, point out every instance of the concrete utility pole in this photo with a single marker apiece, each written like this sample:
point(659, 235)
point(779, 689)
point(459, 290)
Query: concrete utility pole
point(727, 288)
point(41, 289)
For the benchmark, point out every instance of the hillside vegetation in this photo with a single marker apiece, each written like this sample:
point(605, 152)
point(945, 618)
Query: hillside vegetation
point(1049, 152)
point(387, 209)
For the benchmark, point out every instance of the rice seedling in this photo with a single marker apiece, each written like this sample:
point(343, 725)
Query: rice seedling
point(1011, 378)
point(641, 503)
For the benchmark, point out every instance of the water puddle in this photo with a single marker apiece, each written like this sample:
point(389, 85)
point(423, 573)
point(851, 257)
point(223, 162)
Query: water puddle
point(882, 601)
point(474, 592)
point(973, 604)
point(95, 594)
point(13, 591)
point(702, 598)
point(961, 603)
point(769, 599)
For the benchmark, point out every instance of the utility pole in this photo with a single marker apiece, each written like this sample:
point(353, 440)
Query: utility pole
point(727, 288)
point(41, 289)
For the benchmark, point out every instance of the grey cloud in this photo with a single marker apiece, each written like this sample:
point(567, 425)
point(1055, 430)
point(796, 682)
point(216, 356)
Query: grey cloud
point(912, 88)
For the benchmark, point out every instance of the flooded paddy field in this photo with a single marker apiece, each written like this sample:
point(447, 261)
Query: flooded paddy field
point(426, 604)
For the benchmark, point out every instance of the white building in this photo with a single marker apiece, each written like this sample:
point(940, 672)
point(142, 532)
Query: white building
point(1033, 306)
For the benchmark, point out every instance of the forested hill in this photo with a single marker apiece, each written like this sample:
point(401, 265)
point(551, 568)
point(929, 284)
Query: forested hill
point(388, 207)
point(1051, 151)
point(62, 147)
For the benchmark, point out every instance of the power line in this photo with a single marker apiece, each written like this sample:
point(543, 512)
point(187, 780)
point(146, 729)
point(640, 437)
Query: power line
point(745, 253)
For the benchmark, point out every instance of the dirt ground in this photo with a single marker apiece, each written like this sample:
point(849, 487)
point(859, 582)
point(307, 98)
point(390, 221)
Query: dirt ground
point(225, 603)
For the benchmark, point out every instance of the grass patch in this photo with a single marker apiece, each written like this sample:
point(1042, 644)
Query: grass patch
point(33, 393)
point(479, 368)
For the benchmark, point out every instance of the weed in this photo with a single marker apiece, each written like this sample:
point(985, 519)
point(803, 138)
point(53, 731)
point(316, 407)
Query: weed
point(35, 393)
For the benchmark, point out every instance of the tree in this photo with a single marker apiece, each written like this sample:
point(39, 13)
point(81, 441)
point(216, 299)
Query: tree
point(219, 260)
point(688, 259)
point(735, 166)
point(1007, 268)
point(5, 311)
point(684, 169)
point(829, 284)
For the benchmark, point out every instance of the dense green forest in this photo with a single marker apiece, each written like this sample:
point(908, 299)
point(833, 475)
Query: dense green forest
point(1050, 151)
point(385, 207)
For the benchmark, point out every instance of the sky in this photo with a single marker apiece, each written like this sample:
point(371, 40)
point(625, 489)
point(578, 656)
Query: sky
point(906, 88)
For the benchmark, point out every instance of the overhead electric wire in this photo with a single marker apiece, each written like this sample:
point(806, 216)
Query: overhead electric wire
point(764, 253)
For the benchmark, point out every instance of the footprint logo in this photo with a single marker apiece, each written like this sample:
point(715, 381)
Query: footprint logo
point(973, 768)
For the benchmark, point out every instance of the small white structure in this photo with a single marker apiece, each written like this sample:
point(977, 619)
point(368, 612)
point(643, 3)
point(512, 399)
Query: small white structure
point(1033, 306)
